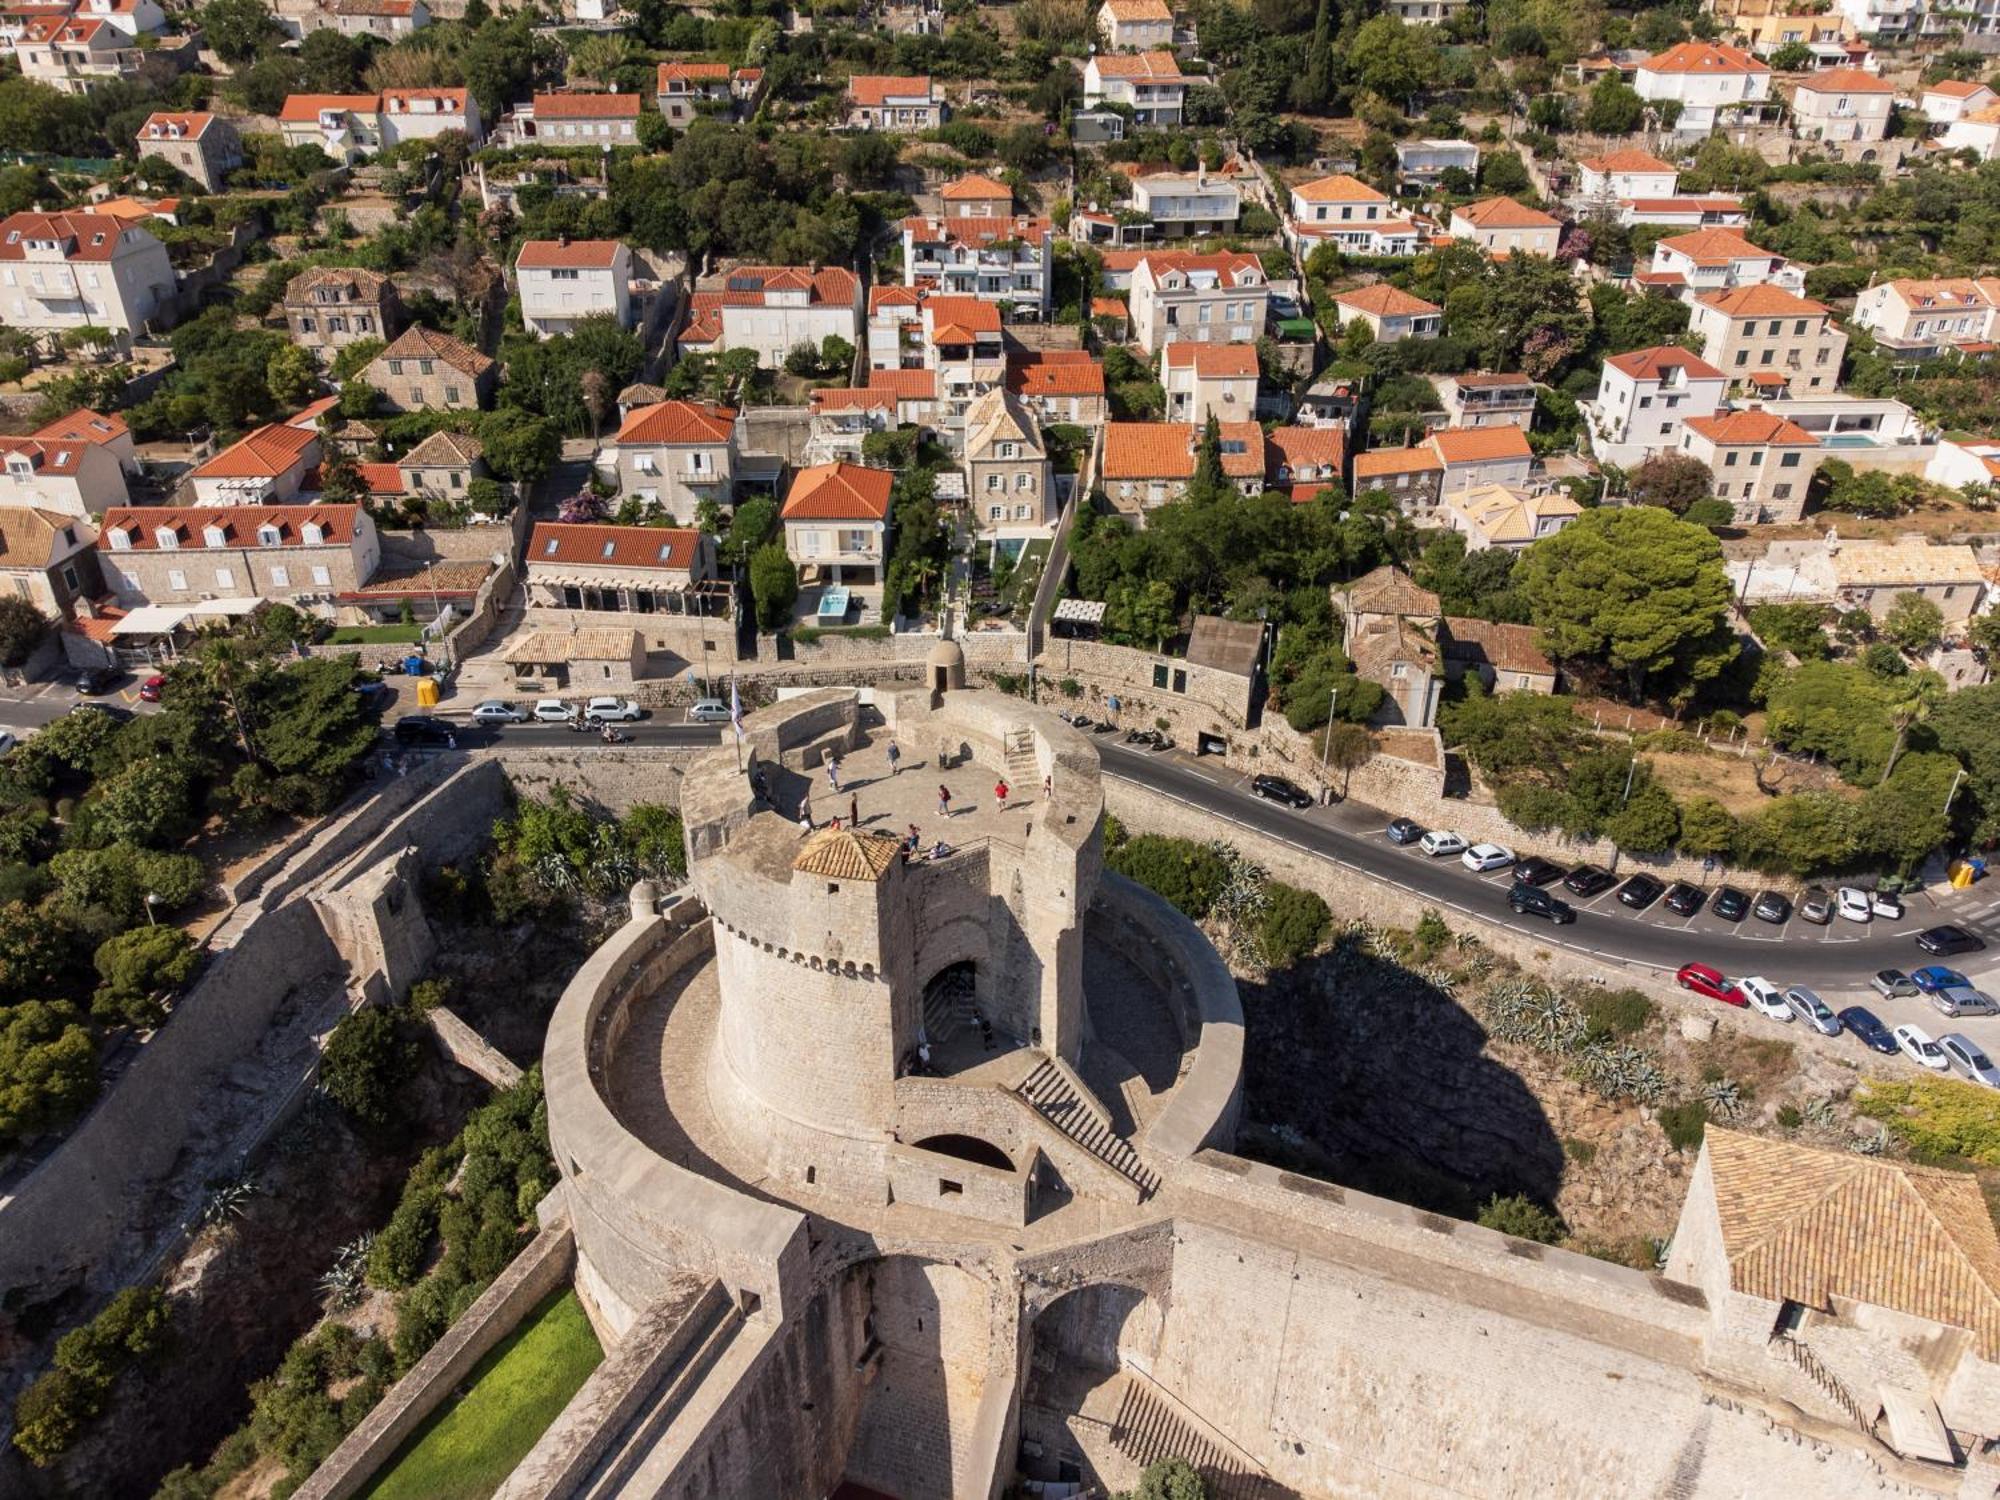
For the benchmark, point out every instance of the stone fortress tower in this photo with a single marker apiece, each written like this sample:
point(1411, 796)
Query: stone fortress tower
point(912, 1176)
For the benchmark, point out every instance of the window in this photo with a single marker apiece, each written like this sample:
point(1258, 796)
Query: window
point(1729, 459)
point(1159, 674)
point(451, 395)
point(996, 481)
point(1644, 402)
point(281, 578)
point(395, 367)
point(270, 536)
point(322, 577)
point(177, 580)
point(313, 533)
point(1781, 492)
point(166, 539)
point(1788, 461)
point(224, 579)
point(995, 512)
point(1757, 459)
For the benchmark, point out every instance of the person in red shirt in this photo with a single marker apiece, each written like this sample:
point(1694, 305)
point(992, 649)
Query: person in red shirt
point(1000, 793)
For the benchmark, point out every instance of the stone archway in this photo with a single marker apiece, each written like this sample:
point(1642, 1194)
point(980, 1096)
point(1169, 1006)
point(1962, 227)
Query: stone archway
point(1081, 1346)
point(950, 999)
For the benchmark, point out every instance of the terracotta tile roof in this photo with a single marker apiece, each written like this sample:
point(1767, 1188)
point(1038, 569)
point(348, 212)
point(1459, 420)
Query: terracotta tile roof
point(263, 454)
point(1213, 361)
point(163, 125)
point(401, 101)
point(1806, 1226)
point(1845, 81)
point(1139, 10)
point(1032, 376)
point(307, 418)
point(305, 109)
point(692, 72)
point(1955, 88)
point(1379, 463)
point(568, 255)
point(682, 422)
point(444, 450)
point(672, 548)
point(831, 398)
point(1752, 427)
point(839, 492)
point(905, 385)
point(894, 296)
point(239, 525)
point(44, 458)
point(1242, 449)
point(374, 7)
point(1109, 307)
point(592, 643)
point(1140, 67)
point(1651, 364)
point(1388, 590)
point(1713, 247)
point(32, 538)
point(874, 90)
point(1504, 213)
point(365, 286)
point(1947, 292)
point(1709, 59)
point(750, 286)
point(1504, 515)
point(87, 236)
point(1149, 450)
point(847, 854)
point(1375, 650)
point(1232, 264)
point(1307, 447)
point(421, 580)
point(419, 342)
point(976, 229)
point(1385, 301)
point(381, 479)
point(1760, 301)
point(83, 426)
point(1628, 160)
point(575, 106)
point(1127, 260)
point(1471, 445)
point(1505, 648)
point(960, 320)
point(1338, 189)
point(976, 188)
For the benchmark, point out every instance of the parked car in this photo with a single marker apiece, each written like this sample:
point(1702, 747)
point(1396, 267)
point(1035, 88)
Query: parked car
point(1640, 892)
point(7, 741)
point(1685, 900)
point(113, 711)
point(1772, 906)
point(91, 681)
point(1867, 1027)
point(1816, 906)
point(1704, 980)
point(708, 711)
point(1532, 901)
point(1765, 997)
point(552, 711)
point(498, 711)
point(1957, 1000)
point(1277, 789)
point(1965, 1056)
point(1730, 904)
point(373, 692)
point(426, 729)
point(1405, 831)
point(1588, 880)
point(1851, 902)
point(613, 711)
point(1915, 1043)
point(1808, 1007)
point(1892, 983)
point(151, 688)
point(1886, 906)
point(1534, 870)
point(1438, 843)
point(1946, 940)
point(1933, 977)
point(1483, 857)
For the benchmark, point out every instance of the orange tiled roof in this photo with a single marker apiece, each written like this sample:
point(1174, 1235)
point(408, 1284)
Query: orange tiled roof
point(1139, 10)
point(1505, 213)
point(161, 124)
point(1141, 67)
point(959, 320)
point(692, 72)
point(1385, 301)
point(874, 90)
point(1709, 59)
point(1149, 450)
point(1714, 247)
point(1628, 160)
point(1043, 376)
point(585, 106)
point(89, 236)
point(1301, 447)
point(839, 492)
point(1338, 189)
point(239, 525)
point(1213, 361)
point(905, 385)
point(1760, 301)
point(1955, 88)
point(1740, 427)
point(304, 109)
point(1233, 264)
point(592, 255)
point(1845, 81)
point(83, 426)
point(668, 547)
point(678, 422)
point(974, 187)
point(1649, 364)
point(1381, 462)
point(1472, 445)
point(263, 454)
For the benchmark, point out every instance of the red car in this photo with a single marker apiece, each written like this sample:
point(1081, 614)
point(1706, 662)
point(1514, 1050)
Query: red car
point(1710, 982)
point(149, 690)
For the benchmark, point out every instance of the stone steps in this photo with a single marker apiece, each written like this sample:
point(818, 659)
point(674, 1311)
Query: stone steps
point(1146, 1430)
point(1052, 1097)
point(1024, 773)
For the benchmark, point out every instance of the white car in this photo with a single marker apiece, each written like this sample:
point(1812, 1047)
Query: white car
point(1963, 1055)
point(552, 711)
point(1438, 843)
point(498, 711)
point(1766, 998)
point(1915, 1043)
point(1885, 905)
point(1482, 857)
point(708, 711)
point(612, 711)
point(1853, 904)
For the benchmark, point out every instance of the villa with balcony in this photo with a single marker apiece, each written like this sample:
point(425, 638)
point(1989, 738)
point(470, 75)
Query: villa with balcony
point(1003, 260)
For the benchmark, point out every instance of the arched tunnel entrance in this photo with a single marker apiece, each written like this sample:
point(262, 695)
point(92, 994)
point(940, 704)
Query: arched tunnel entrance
point(1081, 1380)
point(951, 1001)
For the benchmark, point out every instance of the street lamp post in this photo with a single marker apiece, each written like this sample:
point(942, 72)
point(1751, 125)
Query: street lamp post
point(152, 900)
point(1326, 746)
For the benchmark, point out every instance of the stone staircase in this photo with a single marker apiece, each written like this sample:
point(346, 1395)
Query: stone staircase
point(1052, 1097)
point(1147, 1429)
point(1816, 1370)
point(948, 1006)
point(1024, 772)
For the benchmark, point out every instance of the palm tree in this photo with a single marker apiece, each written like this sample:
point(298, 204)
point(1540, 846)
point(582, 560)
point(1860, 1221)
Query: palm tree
point(225, 667)
point(1915, 696)
point(598, 57)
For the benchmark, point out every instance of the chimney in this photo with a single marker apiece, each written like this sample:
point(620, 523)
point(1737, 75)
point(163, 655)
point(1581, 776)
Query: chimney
point(563, 240)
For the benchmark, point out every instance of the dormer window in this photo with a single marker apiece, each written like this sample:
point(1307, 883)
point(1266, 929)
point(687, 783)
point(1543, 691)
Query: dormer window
point(270, 536)
point(166, 539)
point(314, 533)
point(121, 539)
point(215, 536)
point(609, 549)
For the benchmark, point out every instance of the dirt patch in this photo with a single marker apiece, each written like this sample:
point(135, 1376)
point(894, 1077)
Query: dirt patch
point(1732, 780)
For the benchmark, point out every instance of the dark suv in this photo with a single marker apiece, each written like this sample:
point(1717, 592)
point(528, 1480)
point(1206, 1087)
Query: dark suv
point(1277, 789)
point(426, 729)
point(1533, 901)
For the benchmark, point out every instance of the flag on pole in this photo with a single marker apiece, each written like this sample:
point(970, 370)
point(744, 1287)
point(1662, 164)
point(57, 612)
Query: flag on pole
point(735, 707)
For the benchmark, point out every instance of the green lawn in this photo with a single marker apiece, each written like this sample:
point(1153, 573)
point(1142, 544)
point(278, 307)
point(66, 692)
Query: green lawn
point(374, 635)
point(468, 1446)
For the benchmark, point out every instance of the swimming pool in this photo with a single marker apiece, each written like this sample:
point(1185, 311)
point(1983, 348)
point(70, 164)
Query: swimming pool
point(1847, 440)
point(833, 604)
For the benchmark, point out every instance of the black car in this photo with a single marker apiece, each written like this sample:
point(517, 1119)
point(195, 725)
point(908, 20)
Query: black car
point(1588, 880)
point(1528, 901)
point(1640, 892)
point(112, 711)
point(1873, 1034)
point(1684, 900)
point(1535, 870)
point(426, 729)
point(1405, 831)
point(1942, 942)
point(94, 680)
point(1730, 904)
point(1277, 789)
point(1772, 906)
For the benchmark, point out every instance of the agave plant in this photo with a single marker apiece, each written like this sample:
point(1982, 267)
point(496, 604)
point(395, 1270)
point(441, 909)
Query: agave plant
point(557, 875)
point(1724, 1097)
point(229, 1201)
point(1557, 1025)
point(1440, 979)
point(341, 1285)
point(1820, 1112)
point(1621, 1072)
point(1869, 1145)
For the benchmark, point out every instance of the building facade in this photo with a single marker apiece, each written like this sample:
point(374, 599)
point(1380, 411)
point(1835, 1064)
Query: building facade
point(424, 370)
point(675, 455)
point(562, 282)
point(1217, 298)
point(1762, 463)
point(329, 307)
point(1766, 335)
point(302, 555)
point(202, 147)
point(75, 270)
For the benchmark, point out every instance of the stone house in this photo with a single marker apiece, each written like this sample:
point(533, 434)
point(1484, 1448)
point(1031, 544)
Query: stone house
point(1472, 456)
point(302, 555)
point(1413, 477)
point(1765, 334)
point(202, 147)
point(836, 519)
point(1205, 379)
point(686, 90)
point(1505, 658)
point(1501, 226)
point(1389, 632)
point(443, 465)
point(1147, 464)
point(329, 307)
point(48, 558)
point(1135, 25)
point(1762, 463)
point(674, 455)
point(1008, 488)
point(1063, 386)
point(583, 119)
point(663, 572)
point(424, 370)
point(1302, 461)
point(582, 659)
point(976, 197)
point(1391, 313)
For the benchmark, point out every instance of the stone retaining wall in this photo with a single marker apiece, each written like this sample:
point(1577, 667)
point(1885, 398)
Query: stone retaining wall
point(470, 1050)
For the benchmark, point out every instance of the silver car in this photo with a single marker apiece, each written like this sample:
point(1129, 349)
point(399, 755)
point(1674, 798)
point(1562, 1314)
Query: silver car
point(498, 711)
point(1963, 1053)
point(1957, 1000)
point(1808, 1007)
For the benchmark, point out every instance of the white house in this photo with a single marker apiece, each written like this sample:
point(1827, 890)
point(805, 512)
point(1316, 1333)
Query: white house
point(1954, 99)
point(1643, 398)
point(1500, 226)
point(836, 519)
point(1135, 25)
point(1220, 298)
point(1209, 379)
point(78, 270)
point(1345, 211)
point(1629, 173)
point(1185, 203)
point(1714, 260)
point(1842, 104)
point(66, 477)
point(1712, 83)
point(1004, 260)
point(674, 455)
point(422, 114)
point(772, 309)
point(875, 102)
point(135, 18)
point(1390, 313)
point(564, 281)
point(1150, 83)
point(1915, 317)
point(1423, 163)
point(1977, 131)
point(265, 467)
point(1961, 462)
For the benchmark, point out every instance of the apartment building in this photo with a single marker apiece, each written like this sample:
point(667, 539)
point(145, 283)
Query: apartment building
point(894, 104)
point(1009, 488)
point(1002, 260)
point(1644, 397)
point(1214, 298)
point(76, 54)
point(1391, 313)
point(1179, 204)
point(563, 281)
point(1150, 84)
point(1204, 380)
point(1713, 260)
point(962, 343)
point(302, 555)
point(329, 307)
point(1711, 82)
point(772, 309)
point(1063, 386)
point(836, 519)
point(1500, 226)
point(1842, 105)
point(568, 119)
point(687, 90)
point(1761, 462)
point(1766, 336)
point(202, 147)
point(1345, 211)
point(1135, 25)
point(674, 455)
point(424, 370)
point(1920, 318)
point(1487, 400)
point(77, 270)
point(60, 476)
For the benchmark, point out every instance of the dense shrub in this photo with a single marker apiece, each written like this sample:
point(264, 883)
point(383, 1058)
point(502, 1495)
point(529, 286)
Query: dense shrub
point(1937, 1116)
point(1294, 924)
point(1610, 1015)
point(368, 1059)
point(1523, 1218)
point(51, 1414)
point(1186, 874)
point(1684, 1123)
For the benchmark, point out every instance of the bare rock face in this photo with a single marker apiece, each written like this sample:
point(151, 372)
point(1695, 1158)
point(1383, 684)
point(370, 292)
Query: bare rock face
point(1697, 1028)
